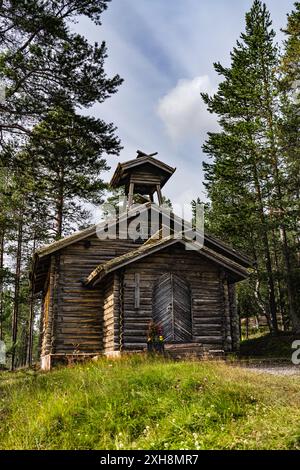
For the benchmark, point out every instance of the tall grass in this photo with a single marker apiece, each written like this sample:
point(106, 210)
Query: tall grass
point(141, 403)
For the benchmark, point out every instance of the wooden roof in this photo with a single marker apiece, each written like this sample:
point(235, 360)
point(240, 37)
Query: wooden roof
point(82, 234)
point(131, 213)
point(41, 257)
point(123, 169)
point(152, 246)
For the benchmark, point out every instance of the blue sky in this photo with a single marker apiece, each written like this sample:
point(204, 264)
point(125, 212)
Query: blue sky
point(164, 50)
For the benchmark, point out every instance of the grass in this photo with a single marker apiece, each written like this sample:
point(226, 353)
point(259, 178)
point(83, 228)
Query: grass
point(268, 346)
point(140, 403)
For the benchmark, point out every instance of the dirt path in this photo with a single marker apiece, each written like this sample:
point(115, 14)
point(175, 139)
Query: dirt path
point(274, 369)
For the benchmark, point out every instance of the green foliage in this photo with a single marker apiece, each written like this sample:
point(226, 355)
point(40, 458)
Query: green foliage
point(265, 346)
point(254, 203)
point(43, 63)
point(290, 60)
point(290, 134)
point(65, 151)
point(52, 151)
point(141, 403)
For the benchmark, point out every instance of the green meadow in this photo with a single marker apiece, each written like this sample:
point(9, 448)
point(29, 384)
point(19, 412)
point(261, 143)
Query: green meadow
point(149, 403)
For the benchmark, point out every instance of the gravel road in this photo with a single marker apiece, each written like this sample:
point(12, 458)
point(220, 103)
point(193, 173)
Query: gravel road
point(275, 369)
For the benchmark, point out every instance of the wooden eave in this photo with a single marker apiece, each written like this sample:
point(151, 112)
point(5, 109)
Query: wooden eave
point(149, 248)
point(66, 241)
point(38, 272)
point(122, 168)
point(42, 255)
point(41, 258)
point(82, 234)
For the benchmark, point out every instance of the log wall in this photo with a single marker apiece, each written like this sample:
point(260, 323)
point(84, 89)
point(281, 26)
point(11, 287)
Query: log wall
point(77, 312)
point(108, 314)
point(206, 290)
point(110, 318)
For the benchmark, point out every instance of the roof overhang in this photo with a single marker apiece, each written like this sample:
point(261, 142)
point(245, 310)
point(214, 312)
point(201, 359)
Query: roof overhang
point(41, 258)
point(123, 168)
point(239, 272)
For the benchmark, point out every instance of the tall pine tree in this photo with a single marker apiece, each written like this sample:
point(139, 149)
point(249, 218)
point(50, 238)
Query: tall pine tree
point(244, 181)
point(50, 74)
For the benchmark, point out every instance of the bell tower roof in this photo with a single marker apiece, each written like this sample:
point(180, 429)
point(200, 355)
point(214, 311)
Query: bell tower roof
point(143, 163)
point(143, 175)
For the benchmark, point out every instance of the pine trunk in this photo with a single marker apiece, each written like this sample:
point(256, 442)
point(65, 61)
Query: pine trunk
point(17, 293)
point(264, 311)
point(268, 262)
point(2, 235)
point(31, 319)
point(295, 319)
point(285, 318)
point(60, 204)
point(265, 239)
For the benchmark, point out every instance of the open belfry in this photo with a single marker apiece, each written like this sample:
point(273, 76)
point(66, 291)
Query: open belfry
point(100, 294)
point(144, 175)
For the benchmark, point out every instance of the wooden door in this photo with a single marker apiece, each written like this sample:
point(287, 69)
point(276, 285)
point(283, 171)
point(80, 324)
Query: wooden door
point(172, 308)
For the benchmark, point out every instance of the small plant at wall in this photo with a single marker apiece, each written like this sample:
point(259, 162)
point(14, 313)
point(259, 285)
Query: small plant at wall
point(155, 339)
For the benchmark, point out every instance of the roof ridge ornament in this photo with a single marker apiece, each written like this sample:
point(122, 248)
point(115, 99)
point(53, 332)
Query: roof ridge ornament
point(141, 154)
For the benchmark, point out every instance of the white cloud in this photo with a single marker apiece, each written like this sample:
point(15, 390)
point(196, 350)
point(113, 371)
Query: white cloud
point(183, 111)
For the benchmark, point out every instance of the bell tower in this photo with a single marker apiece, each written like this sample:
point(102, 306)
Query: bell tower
point(144, 175)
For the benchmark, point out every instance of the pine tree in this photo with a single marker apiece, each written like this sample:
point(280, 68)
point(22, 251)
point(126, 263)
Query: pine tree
point(52, 155)
point(69, 169)
point(238, 182)
point(43, 63)
point(290, 145)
